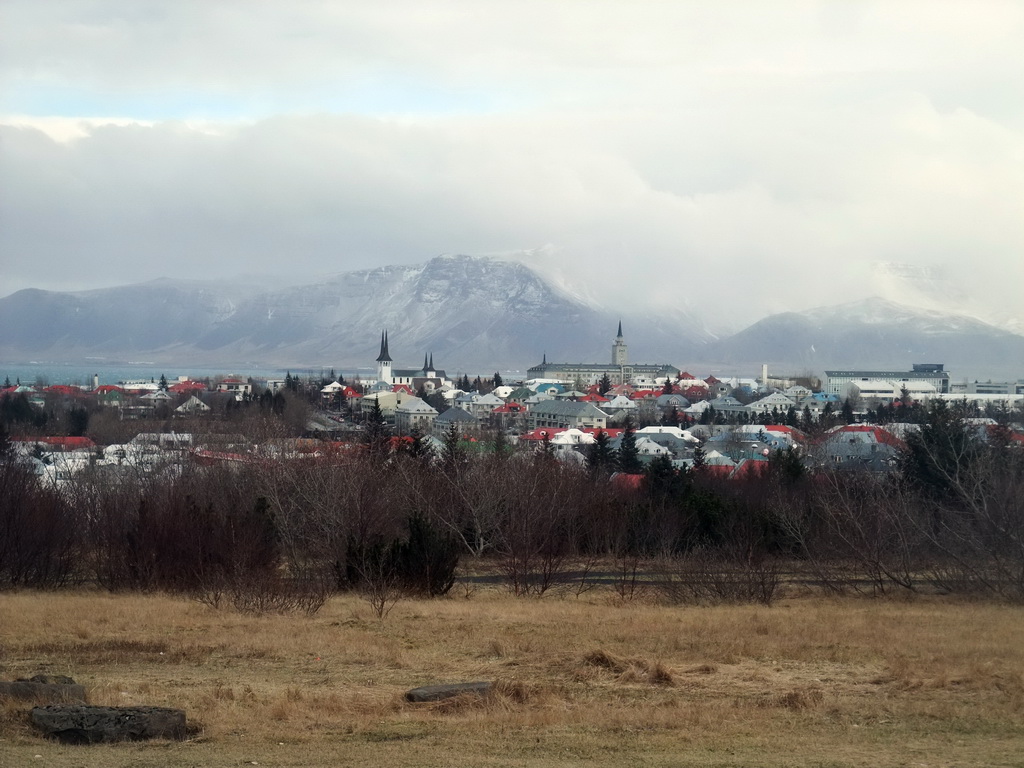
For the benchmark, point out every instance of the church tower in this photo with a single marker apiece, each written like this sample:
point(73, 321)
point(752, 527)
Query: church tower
point(384, 361)
point(619, 349)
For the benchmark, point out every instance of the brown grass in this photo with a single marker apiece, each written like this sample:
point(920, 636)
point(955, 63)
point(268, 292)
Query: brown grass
point(590, 680)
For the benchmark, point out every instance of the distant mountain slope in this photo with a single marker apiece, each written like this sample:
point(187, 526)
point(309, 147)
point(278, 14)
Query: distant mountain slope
point(871, 333)
point(130, 318)
point(471, 312)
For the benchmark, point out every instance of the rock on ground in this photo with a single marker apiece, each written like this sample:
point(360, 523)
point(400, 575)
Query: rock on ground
point(81, 724)
point(438, 692)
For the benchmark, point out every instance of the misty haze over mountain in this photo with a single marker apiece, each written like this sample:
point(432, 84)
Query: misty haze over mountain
point(471, 313)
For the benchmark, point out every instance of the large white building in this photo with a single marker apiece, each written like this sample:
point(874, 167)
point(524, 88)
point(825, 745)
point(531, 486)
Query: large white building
point(619, 371)
point(838, 382)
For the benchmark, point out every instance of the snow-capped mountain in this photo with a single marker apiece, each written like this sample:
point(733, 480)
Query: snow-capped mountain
point(471, 312)
point(475, 314)
point(872, 333)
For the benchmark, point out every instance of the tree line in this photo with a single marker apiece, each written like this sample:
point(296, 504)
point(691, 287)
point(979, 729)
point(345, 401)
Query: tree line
point(393, 519)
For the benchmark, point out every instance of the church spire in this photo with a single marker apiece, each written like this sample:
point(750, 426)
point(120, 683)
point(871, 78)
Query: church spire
point(384, 357)
point(619, 335)
point(431, 361)
point(426, 365)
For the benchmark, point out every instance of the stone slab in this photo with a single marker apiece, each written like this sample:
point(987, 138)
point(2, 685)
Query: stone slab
point(446, 691)
point(81, 724)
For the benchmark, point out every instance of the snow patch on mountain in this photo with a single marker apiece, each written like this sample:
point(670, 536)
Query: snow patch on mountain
point(929, 287)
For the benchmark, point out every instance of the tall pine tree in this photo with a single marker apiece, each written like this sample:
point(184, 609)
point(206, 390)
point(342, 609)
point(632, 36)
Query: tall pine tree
point(600, 454)
point(628, 457)
point(376, 434)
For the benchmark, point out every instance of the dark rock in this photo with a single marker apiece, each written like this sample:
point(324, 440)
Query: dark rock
point(80, 724)
point(39, 690)
point(439, 692)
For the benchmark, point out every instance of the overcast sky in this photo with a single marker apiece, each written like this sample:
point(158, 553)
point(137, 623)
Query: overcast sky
point(741, 157)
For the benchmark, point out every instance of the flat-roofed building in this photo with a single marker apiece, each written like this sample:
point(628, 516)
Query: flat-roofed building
point(838, 382)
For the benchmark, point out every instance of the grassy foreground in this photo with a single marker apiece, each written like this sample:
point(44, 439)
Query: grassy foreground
point(808, 682)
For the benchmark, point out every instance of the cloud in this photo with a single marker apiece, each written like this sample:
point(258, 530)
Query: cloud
point(737, 162)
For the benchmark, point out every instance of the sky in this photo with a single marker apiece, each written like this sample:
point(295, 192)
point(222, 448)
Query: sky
point(732, 158)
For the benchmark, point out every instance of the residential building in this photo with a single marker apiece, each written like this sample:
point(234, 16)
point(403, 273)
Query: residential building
point(465, 422)
point(235, 386)
point(566, 414)
point(412, 414)
point(776, 401)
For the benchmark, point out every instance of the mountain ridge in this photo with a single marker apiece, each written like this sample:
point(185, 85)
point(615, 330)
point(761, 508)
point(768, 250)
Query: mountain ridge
point(873, 332)
point(476, 313)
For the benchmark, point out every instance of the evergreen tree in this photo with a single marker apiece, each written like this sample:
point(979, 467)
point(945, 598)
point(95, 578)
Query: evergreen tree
point(786, 466)
point(808, 421)
point(667, 389)
point(828, 416)
point(661, 478)
point(500, 446)
point(478, 385)
point(419, 448)
point(339, 400)
point(547, 450)
point(78, 421)
point(163, 383)
point(16, 409)
point(905, 398)
point(436, 401)
point(792, 419)
point(700, 458)
point(848, 411)
point(426, 561)
point(262, 554)
point(600, 455)
point(452, 456)
point(376, 433)
point(628, 457)
point(671, 418)
point(7, 382)
point(604, 386)
point(941, 453)
point(497, 380)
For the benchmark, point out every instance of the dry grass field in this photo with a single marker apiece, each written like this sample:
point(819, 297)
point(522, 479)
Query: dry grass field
point(588, 680)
